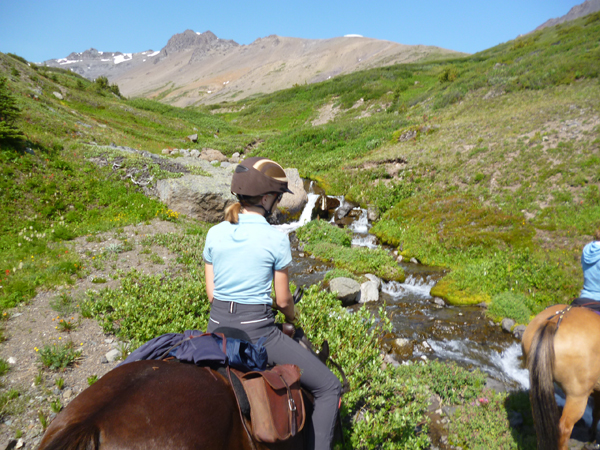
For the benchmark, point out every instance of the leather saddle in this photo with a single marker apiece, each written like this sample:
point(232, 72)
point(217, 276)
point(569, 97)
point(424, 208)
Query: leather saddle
point(271, 400)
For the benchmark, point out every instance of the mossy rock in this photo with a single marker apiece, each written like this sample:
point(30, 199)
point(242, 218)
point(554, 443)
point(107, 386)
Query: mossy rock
point(446, 290)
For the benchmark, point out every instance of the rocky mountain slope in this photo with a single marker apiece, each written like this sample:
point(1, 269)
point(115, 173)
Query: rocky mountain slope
point(577, 11)
point(196, 68)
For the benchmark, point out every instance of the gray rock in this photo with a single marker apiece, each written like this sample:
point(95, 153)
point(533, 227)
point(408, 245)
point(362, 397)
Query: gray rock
point(203, 198)
point(29, 150)
point(210, 154)
point(234, 159)
point(389, 359)
point(12, 360)
point(294, 203)
point(374, 278)
point(438, 301)
point(414, 260)
point(449, 410)
point(372, 213)
point(67, 394)
point(343, 210)
point(194, 153)
point(236, 155)
point(192, 137)
point(166, 151)
point(518, 331)
point(112, 355)
point(368, 292)
point(225, 164)
point(175, 151)
point(508, 324)
point(58, 95)
point(400, 258)
point(346, 289)
point(495, 385)
point(402, 342)
point(184, 153)
point(215, 162)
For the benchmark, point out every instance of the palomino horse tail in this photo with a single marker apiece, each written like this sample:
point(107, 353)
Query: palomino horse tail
point(541, 364)
point(78, 436)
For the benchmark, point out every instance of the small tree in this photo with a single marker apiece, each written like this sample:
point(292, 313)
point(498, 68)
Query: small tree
point(9, 134)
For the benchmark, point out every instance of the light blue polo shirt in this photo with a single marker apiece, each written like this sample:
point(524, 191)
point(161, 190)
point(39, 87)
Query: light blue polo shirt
point(244, 257)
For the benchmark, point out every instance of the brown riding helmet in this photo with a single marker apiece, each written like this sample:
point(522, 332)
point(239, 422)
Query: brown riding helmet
point(259, 176)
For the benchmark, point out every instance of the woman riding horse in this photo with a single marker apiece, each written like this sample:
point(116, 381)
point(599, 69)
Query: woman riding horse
point(590, 263)
point(243, 255)
point(562, 344)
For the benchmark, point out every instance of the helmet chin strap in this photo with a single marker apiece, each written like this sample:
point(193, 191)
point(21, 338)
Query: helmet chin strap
point(267, 211)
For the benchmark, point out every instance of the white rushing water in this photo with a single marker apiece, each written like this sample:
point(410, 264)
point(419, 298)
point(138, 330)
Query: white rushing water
point(504, 365)
point(287, 228)
point(418, 286)
point(360, 225)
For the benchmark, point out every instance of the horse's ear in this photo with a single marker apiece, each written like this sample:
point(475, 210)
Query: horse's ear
point(324, 353)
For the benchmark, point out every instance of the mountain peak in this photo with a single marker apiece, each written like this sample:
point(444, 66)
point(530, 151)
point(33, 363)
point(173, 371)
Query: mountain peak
point(192, 39)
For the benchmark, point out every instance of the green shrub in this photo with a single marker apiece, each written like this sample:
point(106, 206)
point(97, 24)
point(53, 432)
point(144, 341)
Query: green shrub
point(484, 424)
point(512, 305)
point(323, 231)
point(59, 357)
point(448, 74)
point(337, 273)
point(9, 112)
point(4, 367)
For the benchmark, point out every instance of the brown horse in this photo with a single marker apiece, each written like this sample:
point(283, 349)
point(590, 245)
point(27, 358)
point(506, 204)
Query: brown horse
point(155, 405)
point(563, 347)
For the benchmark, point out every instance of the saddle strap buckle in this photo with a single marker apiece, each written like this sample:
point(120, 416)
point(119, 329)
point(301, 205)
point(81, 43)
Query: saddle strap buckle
point(292, 404)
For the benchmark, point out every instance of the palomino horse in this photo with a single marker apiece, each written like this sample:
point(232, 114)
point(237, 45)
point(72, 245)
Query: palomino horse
point(150, 405)
point(562, 345)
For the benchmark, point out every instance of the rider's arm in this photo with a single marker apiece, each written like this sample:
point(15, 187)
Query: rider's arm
point(283, 297)
point(209, 274)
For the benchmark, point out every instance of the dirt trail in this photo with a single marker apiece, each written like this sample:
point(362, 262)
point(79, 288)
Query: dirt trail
point(30, 327)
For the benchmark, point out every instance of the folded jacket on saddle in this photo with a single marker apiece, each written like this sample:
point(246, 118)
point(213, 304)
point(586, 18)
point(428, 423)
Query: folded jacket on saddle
point(198, 347)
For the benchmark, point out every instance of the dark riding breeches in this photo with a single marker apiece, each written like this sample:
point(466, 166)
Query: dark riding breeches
point(258, 321)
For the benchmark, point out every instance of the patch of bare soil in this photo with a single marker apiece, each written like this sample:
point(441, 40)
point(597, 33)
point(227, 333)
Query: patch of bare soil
point(35, 325)
point(326, 114)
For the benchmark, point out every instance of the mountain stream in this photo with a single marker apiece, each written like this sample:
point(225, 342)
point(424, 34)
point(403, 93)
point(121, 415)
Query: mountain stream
point(422, 328)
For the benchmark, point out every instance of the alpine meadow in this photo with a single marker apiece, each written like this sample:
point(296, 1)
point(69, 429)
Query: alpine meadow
point(486, 165)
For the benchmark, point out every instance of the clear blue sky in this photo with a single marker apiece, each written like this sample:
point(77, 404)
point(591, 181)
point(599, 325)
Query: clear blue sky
point(39, 29)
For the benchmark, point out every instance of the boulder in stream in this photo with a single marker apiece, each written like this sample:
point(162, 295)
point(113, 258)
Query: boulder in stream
point(325, 205)
point(375, 279)
point(368, 292)
point(346, 289)
point(508, 324)
point(294, 203)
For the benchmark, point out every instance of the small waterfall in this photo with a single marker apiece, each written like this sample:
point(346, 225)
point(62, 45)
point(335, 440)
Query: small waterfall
point(411, 286)
point(360, 225)
point(287, 228)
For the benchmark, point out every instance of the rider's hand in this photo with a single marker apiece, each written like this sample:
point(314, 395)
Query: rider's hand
point(293, 320)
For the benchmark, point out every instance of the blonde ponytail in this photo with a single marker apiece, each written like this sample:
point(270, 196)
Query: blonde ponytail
point(232, 212)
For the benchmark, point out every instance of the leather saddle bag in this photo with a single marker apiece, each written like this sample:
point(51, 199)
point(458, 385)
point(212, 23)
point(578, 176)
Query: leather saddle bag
point(276, 403)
